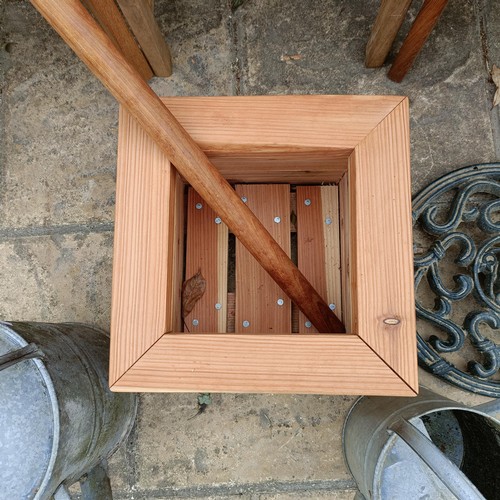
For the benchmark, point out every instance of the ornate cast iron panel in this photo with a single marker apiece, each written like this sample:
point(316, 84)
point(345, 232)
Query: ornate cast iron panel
point(457, 253)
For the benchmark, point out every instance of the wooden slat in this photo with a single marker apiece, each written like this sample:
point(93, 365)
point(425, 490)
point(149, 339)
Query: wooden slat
point(257, 294)
point(346, 248)
point(176, 251)
point(390, 17)
point(296, 364)
point(110, 18)
point(143, 258)
point(206, 251)
point(422, 27)
point(318, 245)
point(382, 266)
point(142, 22)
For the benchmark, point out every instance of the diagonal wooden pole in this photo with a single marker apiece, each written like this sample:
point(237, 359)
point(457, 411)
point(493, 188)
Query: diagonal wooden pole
point(79, 30)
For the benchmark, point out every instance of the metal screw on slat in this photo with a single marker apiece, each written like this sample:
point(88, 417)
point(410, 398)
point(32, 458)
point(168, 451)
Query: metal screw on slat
point(218, 220)
point(277, 220)
point(246, 324)
point(195, 322)
point(218, 306)
point(244, 199)
point(280, 302)
point(199, 206)
point(307, 202)
point(332, 306)
point(308, 324)
point(328, 221)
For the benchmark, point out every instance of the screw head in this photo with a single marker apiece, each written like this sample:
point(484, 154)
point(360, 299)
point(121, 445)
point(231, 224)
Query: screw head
point(277, 220)
point(280, 302)
point(308, 324)
point(328, 221)
point(195, 322)
point(199, 206)
point(218, 306)
point(307, 202)
point(246, 324)
point(244, 199)
point(218, 220)
point(332, 306)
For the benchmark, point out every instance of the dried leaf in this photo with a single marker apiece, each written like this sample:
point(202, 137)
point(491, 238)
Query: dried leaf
point(192, 291)
point(495, 75)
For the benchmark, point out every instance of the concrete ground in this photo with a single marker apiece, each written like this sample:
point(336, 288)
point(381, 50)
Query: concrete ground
point(57, 185)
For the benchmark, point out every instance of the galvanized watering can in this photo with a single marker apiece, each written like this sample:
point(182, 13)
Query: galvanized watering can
point(58, 419)
point(427, 448)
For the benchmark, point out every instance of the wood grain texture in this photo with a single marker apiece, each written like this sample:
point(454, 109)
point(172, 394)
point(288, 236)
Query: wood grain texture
point(300, 124)
point(207, 251)
point(318, 244)
point(420, 30)
point(140, 17)
point(390, 17)
point(175, 255)
point(382, 266)
point(297, 364)
point(142, 262)
point(257, 294)
point(113, 23)
point(349, 306)
point(86, 38)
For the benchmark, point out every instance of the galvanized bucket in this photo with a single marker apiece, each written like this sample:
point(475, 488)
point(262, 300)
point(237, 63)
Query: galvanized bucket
point(428, 447)
point(58, 418)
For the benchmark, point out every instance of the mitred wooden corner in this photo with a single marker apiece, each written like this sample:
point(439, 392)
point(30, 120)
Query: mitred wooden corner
point(360, 143)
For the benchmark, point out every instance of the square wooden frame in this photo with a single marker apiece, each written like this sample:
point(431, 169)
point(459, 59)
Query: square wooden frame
point(360, 142)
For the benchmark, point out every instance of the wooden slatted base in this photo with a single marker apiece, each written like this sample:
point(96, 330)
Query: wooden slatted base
point(258, 305)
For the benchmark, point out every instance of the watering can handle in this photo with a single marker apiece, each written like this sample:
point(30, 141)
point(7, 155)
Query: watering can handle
point(95, 485)
point(451, 476)
point(29, 351)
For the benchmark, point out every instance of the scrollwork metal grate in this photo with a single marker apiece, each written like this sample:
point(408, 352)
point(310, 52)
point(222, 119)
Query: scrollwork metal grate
point(457, 232)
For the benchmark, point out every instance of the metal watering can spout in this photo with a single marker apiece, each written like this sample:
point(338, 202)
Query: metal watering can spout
point(393, 448)
point(491, 408)
point(451, 476)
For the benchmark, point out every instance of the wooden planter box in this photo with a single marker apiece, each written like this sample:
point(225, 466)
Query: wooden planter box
point(349, 158)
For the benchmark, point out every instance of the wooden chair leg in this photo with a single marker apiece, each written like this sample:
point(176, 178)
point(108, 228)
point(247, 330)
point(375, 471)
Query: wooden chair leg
point(424, 23)
point(112, 22)
point(140, 17)
point(389, 19)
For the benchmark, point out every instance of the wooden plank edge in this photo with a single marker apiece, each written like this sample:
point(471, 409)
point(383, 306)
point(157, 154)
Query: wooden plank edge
point(184, 363)
point(411, 366)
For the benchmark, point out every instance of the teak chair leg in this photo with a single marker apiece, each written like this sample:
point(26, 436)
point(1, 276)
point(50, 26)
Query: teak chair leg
point(113, 23)
point(423, 25)
point(389, 19)
point(140, 17)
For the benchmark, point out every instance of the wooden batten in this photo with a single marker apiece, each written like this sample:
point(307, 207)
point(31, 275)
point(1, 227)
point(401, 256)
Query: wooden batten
point(318, 245)
point(207, 253)
point(261, 306)
point(347, 248)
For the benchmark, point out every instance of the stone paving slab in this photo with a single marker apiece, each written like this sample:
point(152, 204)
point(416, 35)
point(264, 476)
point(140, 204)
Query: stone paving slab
point(57, 278)
point(286, 48)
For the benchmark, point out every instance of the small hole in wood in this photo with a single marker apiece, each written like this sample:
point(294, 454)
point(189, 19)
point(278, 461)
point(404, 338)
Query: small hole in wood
point(392, 321)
